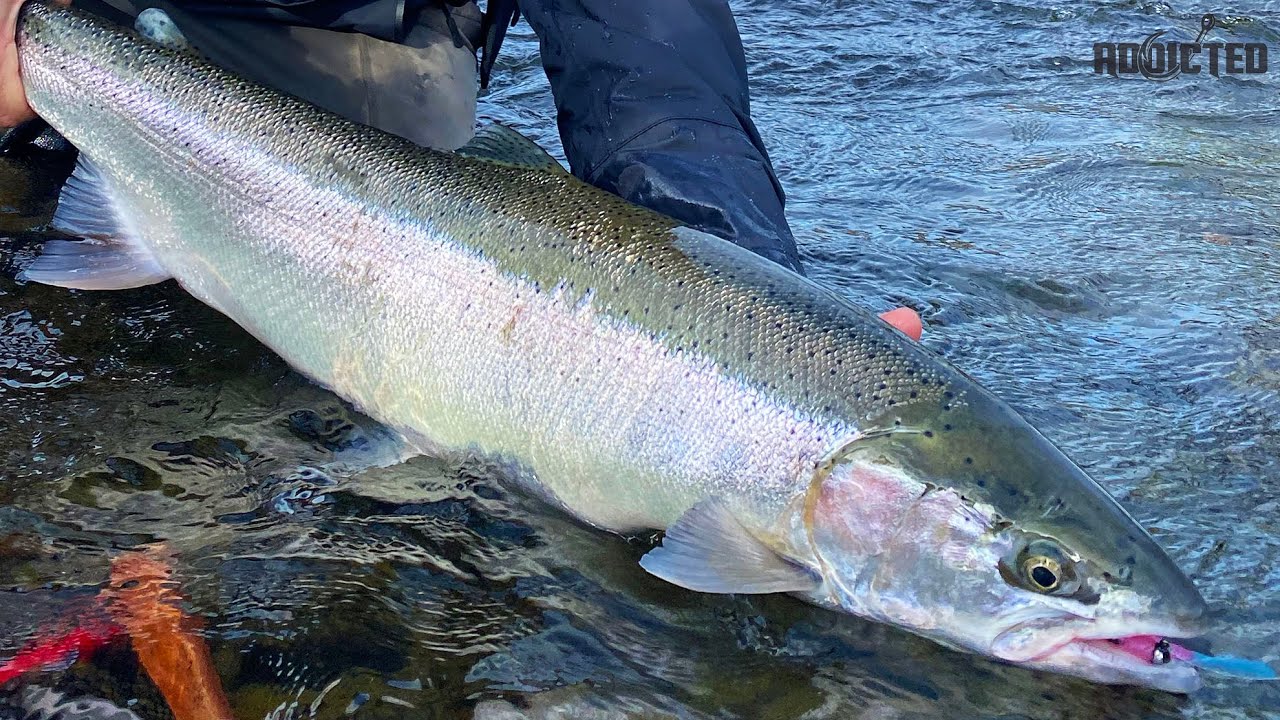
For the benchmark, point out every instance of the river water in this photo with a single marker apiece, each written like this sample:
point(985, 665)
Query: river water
point(1102, 252)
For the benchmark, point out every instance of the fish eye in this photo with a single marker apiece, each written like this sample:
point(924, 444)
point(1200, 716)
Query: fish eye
point(1042, 572)
point(1042, 566)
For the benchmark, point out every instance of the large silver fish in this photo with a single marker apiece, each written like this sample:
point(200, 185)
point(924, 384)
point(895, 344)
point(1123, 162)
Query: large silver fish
point(639, 374)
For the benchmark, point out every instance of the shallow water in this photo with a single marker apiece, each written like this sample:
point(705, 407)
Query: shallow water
point(1102, 252)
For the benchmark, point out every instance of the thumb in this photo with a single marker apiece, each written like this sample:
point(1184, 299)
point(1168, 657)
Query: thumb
point(906, 321)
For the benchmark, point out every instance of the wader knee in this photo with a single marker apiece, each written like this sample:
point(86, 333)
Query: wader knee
point(421, 87)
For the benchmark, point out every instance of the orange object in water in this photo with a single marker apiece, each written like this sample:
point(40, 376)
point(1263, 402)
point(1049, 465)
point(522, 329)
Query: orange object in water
point(144, 600)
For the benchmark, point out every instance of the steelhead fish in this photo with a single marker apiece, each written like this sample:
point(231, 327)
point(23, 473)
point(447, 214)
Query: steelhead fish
point(642, 375)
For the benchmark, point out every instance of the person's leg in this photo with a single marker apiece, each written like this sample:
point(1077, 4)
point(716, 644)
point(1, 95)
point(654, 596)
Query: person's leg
point(653, 106)
point(422, 88)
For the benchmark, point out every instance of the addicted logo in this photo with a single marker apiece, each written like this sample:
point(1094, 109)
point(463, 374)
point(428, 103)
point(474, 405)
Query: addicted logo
point(1157, 60)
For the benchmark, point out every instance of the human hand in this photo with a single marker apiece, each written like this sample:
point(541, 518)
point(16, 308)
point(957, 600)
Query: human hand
point(14, 109)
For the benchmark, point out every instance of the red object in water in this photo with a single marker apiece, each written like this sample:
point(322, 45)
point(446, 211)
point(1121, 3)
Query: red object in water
point(54, 649)
point(142, 602)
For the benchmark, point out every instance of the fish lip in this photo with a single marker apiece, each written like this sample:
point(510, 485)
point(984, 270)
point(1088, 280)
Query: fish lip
point(1075, 628)
point(1081, 648)
point(1096, 659)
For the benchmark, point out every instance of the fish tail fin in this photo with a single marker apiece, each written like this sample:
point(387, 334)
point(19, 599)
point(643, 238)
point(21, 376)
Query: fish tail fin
point(110, 256)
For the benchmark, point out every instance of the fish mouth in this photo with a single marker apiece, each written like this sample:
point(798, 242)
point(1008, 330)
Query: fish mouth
point(1146, 660)
point(1136, 653)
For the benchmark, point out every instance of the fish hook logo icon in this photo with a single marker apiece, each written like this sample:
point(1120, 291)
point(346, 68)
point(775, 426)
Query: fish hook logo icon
point(1155, 60)
point(1171, 70)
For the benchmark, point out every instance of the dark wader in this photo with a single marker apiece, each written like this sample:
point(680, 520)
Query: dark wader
point(651, 94)
point(402, 72)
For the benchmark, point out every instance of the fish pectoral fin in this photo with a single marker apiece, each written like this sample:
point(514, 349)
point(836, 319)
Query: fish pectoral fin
point(708, 550)
point(501, 144)
point(110, 257)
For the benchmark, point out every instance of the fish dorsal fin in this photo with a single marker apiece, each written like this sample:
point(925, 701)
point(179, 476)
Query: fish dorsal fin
point(708, 550)
point(110, 256)
point(500, 143)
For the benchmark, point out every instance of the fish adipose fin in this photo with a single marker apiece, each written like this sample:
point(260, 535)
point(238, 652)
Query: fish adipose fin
point(110, 257)
point(708, 550)
point(501, 144)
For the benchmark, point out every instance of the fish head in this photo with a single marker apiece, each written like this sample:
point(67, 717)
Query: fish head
point(957, 520)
